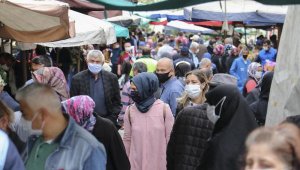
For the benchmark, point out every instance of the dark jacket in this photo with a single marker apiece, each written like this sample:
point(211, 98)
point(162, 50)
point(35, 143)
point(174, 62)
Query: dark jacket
point(108, 135)
point(188, 139)
point(81, 86)
point(230, 132)
point(260, 107)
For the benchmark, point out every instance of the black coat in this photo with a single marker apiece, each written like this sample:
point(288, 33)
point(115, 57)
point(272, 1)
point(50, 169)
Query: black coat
point(108, 135)
point(188, 139)
point(230, 132)
point(80, 86)
point(260, 107)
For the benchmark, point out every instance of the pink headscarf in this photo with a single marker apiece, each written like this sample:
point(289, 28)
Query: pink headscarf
point(219, 50)
point(81, 109)
point(54, 77)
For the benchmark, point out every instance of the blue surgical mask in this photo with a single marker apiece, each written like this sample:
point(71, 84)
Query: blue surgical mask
point(94, 68)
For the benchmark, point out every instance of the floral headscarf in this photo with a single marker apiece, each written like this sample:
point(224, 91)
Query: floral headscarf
point(219, 50)
point(81, 109)
point(54, 77)
point(2, 83)
point(252, 69)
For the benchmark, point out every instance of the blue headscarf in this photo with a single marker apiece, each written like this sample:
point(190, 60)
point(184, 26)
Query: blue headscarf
point(146, 84)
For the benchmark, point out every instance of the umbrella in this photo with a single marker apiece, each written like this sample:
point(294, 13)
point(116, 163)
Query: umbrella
point(34, 21)
point(89, 30)
point(121, 31)
point(182, 26)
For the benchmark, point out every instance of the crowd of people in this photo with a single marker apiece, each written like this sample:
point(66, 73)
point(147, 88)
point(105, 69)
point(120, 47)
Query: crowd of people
point(182, 102)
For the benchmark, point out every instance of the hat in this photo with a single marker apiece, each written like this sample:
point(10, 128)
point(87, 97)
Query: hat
point(184, 50)
point(195, 37)
point(222, 78)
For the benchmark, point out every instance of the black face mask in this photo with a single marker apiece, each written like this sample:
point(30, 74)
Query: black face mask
point(245, 56)
point(163, 77)
point(135, 96)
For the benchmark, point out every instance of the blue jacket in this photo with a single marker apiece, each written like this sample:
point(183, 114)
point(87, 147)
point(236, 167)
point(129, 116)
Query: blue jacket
point(171, 90)
point(264, 55)
point(239, 69)
point(78, 149)
point(9, 155)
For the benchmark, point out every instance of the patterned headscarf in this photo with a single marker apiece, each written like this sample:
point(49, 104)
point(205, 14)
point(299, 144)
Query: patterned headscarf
point(81, 109)
point(219, 50)
point(54, 77)
point(252, 69)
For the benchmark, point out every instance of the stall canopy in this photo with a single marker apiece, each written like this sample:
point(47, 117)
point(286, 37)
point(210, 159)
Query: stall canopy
point(121, 31)
point(34, 21)
point(182, 26)
point(89, 30)
point(125, 21)
point(237, 10)
point(172, 4)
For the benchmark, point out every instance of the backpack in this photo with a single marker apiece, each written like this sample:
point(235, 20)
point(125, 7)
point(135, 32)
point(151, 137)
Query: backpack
point(164, 113)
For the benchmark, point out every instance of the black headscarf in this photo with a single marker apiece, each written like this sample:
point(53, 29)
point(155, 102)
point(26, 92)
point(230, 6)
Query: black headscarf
point(230, 131)
point(260, 107)
point(266, 85)
point(147, 84)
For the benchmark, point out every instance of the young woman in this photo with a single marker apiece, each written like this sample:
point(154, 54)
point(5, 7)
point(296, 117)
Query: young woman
point(147, 125)
point(195, 89)
point(273, 148)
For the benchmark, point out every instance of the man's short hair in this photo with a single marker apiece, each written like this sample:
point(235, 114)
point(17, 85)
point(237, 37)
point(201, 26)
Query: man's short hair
point(38, 95)
point(42, 60)
point(139, 67)
point(146, 50)
point(95, 54)
point(267, 42)
point(194, 45)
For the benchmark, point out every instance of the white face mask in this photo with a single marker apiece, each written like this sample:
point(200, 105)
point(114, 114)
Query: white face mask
point(211, 111)
point(193, 90)
point(266, 48)
point(127, 49)
point(258, 74)
point(27, 126)
point(94, 68)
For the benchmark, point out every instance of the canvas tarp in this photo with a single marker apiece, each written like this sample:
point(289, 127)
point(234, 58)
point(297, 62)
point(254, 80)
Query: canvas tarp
point(171, 4)
point(89, 30)
point(237, 10)
point(34, 21)
point(285, 91)
point(182, 26)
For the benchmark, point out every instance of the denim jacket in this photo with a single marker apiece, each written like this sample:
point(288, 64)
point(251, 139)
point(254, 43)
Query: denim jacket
point(77, 150)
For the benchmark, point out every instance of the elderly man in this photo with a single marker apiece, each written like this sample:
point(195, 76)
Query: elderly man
point(171, 87)
point(194, 49)
point(100, 85)
point(62, 144)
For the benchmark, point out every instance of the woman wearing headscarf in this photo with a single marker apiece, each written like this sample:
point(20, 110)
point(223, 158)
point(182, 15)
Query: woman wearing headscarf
point(147, 125)
point(81, 109)
point(54, 77)
point(260, 107)
point(216, 58)
point(254, 76)
point(196, 86)
point(233, 120)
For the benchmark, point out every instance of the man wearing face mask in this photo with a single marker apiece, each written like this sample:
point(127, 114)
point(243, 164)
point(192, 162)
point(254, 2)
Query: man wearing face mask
point(239, 68)
point(125, 56)
point(100, 85)
point(171, 88)
point(62, 144)
point(267, 53)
